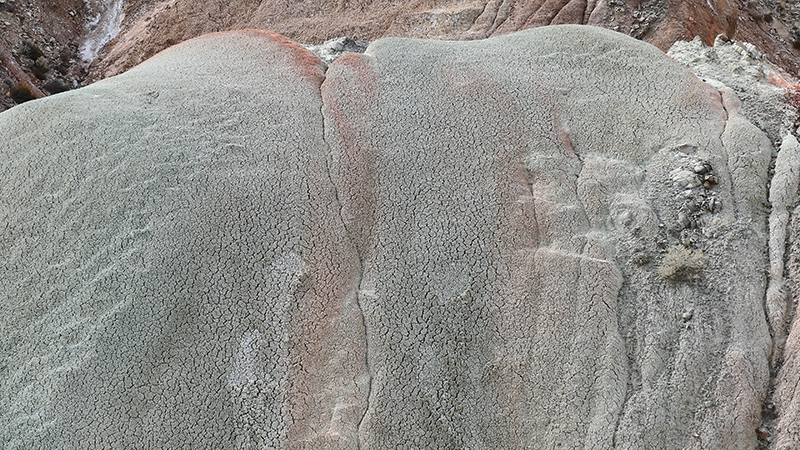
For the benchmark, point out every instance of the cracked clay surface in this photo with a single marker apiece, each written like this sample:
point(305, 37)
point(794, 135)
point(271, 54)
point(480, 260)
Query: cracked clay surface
point(550, 239)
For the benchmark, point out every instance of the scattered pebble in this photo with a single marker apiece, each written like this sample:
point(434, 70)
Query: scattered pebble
point(702, 168)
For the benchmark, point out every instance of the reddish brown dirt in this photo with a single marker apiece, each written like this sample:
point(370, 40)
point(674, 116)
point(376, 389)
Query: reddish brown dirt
point(151, 26)
point(56, 28)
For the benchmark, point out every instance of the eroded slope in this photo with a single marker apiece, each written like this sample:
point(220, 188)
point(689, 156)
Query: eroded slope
point(543, 264)
point(555, 237)
point(170, 255)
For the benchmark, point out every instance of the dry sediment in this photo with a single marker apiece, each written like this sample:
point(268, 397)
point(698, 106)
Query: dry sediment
point(432, 244)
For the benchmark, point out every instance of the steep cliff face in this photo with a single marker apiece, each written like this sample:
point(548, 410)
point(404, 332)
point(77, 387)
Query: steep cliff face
point(517, 242)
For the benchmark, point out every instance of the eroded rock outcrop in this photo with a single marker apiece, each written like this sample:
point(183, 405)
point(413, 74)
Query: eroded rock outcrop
point(761, 88)
point(519, 242)
point(150, 26)
point(70, 34)
point(182, 214)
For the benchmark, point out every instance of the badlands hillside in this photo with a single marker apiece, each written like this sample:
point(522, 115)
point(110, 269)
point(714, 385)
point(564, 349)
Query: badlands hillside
point(551, 238)
point(48, 47)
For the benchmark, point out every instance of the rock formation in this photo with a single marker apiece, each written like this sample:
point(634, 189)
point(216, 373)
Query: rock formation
point(150, 26)
point(771, 103)
point(554, 238)
point(763, 91)
point(71, 34)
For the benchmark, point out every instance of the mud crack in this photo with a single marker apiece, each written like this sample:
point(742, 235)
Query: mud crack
point(361, 264)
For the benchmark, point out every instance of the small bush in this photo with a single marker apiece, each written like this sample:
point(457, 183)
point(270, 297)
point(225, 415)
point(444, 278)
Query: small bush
point(21, 92)
point(679, 262)
point(29, 50)
point(56, 85)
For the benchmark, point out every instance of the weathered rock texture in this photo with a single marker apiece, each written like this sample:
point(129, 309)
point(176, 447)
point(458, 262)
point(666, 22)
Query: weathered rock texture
point(770, 102)
point(175, 273)
point(152, 25)
point(68, 35)
point(520, 242)
point(735, 65)
point(786, 407)
point(332, 49)
point(39, 42)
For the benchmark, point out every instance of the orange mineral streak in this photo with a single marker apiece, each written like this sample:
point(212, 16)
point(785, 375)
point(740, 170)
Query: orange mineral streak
point(778, 80)
point(349, 94)
point(328, 331)
point(311, 68)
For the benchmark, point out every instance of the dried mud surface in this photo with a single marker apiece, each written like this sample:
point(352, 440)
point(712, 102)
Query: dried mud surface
point(502, 243)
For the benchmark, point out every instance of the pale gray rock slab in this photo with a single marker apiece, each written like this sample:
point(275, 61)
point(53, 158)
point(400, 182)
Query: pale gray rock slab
point(164, 237)
point(330, 50)
point(784, 224)
point(520, 204)
point(548, 239)
point(741, 67)
point(782, 195)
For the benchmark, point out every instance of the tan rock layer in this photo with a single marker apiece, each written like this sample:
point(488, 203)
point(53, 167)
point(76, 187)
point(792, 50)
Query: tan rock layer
point(149, 26)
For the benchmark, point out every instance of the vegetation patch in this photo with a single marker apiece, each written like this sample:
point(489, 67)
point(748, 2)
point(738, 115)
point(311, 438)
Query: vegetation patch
point(680, 262)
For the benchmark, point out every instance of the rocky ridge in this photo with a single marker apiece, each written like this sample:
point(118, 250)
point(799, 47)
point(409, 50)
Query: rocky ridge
point(150, 26)
point(67, 33)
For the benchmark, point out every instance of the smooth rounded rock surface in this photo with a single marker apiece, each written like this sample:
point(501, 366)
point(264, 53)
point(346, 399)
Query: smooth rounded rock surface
point(431, 245)
point(170, 253)
point(511, 289)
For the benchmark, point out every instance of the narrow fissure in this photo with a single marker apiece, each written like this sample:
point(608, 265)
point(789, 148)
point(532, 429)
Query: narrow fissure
point(769, 411)
point(361, 264)
point(725, 150)
point(779, 222)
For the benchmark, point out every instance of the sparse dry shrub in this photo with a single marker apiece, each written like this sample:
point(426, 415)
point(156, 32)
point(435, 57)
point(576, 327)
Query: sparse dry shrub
point(679, 262)
point(21, 92)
